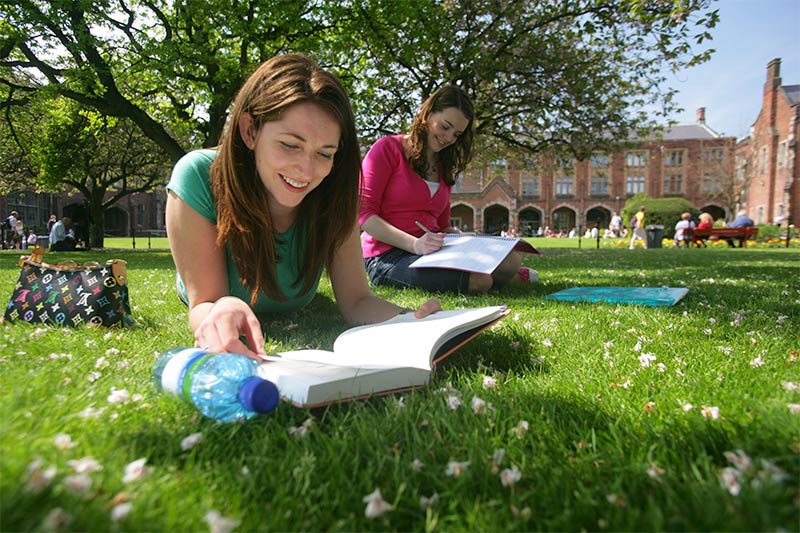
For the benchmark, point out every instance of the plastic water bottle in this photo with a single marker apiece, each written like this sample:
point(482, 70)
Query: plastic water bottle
point(222, 386)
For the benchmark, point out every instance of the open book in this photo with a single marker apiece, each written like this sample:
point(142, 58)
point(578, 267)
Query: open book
point(398, 354)
point(473, 253)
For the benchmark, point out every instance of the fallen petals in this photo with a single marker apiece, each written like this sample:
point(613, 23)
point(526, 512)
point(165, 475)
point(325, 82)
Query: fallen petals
point(520, 429)
point(729, 479)
point(478, 405)
point(417, 465)
point(135, 471)
point(427, 503)
point(118, 512)
point(78, 483)
point(455, 468)
point(376, 506)
point(489, 382)
point(302, 430)
point(739, 459)
point(64, 442)
point(119, 396)
point(218, 523)
point(510, 476)
point(710, 412)
point(86, 465)
point(453, 402)
point(191, 441)
point(794, 408)
point(56, 520)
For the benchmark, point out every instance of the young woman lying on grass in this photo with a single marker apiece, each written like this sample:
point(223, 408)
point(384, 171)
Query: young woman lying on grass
point(252, 223)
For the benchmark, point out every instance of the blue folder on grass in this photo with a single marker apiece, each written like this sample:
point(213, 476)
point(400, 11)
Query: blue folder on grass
point(652, 296)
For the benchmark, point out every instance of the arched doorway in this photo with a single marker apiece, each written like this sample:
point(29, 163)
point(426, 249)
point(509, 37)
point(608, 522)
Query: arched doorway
point(715, 211)
point(530, 220)
point(600, 216)
point(494, 218)
point(564, 219)
point(462, 217)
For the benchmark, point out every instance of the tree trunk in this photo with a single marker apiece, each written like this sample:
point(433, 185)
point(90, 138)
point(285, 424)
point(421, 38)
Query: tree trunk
point(97, 218)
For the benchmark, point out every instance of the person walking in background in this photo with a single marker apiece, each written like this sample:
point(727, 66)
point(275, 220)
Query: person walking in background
point(637, 225)
point(616, 225)
point(406, 182)
point(253, 223)
point(681, 235)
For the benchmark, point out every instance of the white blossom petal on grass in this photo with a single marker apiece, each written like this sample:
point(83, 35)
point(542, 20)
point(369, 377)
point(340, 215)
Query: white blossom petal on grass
point(101, 362)
point(794, 408)
point(220, 524)
point(456, 468)
point(38, 332)
point(510, 476)
point(730, 480)
point(112, 351)
point(85, 465)
point(687, 407)
point(120, 511)
point(107, 336)
point(92, 412)
point(661, 367)
point(646, 358)
point(39, 478)
point(649, 407)
point(427, 503)
point(120, 396)
point(376, 506)
point(655, 471)
point(78, 483)
point(790, 386)
point(56, 520)
point(520, 429)
point(94, 376)
point(489, 382)
point(64, 442)
point(302, 430)
point(547, 343)
point(499, 456)
point(416, 465)
point(710, 412)
point(638, 346)
point(135, 470)
point(191, 441)
point(739, 459)
point(757, 362)
point(478, 405)
point(453, 402)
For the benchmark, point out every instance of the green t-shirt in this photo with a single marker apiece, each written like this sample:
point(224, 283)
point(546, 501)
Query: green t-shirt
point(191, 182)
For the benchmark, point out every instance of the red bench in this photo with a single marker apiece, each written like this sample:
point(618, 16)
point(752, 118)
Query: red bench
point(697, 236)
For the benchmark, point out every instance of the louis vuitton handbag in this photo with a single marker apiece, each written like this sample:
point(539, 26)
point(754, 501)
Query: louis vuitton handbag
point(70, 295)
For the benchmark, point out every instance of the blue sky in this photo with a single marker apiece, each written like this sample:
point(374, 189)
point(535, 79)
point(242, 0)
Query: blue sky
point(749, 35)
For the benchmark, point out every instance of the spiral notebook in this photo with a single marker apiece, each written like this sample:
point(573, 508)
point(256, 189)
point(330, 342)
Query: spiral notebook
point(651, 296)
point(473, 253)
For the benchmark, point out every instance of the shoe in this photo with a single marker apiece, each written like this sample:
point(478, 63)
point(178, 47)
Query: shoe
point(528, 275)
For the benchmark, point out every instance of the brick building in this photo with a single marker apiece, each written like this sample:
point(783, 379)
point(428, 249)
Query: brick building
point(766, 160)
point(690, 161)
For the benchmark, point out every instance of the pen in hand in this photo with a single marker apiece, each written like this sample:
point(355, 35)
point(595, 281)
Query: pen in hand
point(422, 226)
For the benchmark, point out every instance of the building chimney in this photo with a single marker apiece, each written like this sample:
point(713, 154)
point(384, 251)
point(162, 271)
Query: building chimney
point(773, 74)
point(701, 115)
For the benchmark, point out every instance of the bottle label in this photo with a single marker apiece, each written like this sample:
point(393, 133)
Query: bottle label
point(175, 369)
point(189, 371)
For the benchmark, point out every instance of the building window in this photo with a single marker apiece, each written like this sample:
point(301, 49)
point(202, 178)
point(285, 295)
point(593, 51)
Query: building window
point(599, 185)
point(635, 184)
point(636, 159)
point(762, 165)
point(673, 184)
point(782, 154)
point(714, 155)
point(564, 186)
point(530, 186)
point(599, 161)
point(674, 158)
point(712, 184)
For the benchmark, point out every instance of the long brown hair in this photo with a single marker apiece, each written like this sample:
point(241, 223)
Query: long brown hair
point(455, 158)
point(325, 217)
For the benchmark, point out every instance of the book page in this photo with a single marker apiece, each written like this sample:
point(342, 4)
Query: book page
point(408, 341)
point(471, 253)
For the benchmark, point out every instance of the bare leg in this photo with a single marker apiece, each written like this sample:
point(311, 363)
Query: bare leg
point(479, 282)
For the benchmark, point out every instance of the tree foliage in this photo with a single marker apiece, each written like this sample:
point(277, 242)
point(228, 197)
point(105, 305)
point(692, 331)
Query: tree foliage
point(104, 158)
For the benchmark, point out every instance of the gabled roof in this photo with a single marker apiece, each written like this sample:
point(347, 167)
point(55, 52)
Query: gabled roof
point(792, 93)
point(690, 131)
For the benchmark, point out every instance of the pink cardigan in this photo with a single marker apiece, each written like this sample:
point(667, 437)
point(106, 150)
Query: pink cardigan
point(392, 190)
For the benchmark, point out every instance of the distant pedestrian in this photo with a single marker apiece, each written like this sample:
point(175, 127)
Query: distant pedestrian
point(637, 225)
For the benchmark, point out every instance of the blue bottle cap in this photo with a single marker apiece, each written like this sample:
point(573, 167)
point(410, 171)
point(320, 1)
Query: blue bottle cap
point(258, 395)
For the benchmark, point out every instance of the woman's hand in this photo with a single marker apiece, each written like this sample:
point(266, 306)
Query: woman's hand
point(428, 308)
point(226, 325)
point(428, 243)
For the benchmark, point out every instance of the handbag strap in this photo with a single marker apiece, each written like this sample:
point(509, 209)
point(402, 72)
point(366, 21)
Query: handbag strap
point(118, 266)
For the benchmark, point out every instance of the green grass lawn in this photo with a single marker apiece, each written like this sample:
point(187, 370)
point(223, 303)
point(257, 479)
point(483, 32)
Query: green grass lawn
point(614, 417)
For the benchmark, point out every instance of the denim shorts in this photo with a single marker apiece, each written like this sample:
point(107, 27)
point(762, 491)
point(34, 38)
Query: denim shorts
point(391, 269)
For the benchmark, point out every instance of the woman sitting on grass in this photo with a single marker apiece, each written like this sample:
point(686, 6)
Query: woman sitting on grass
point(252, 223)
